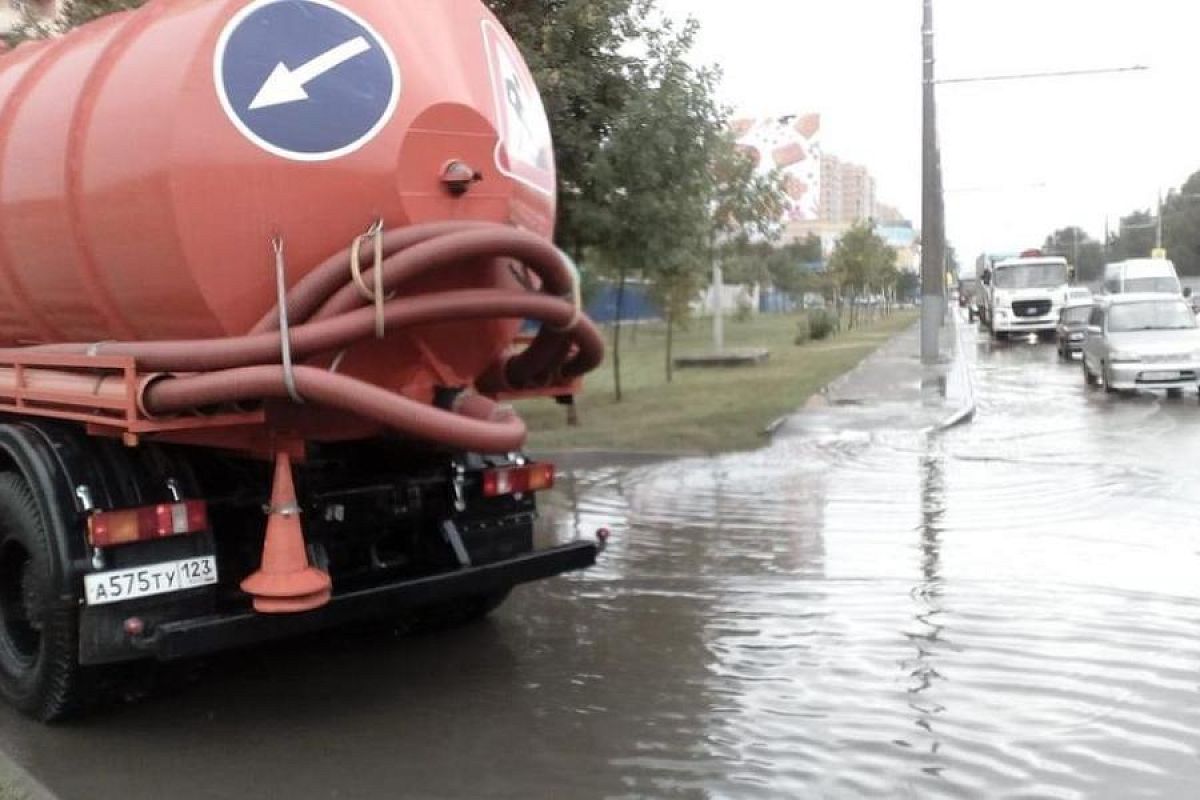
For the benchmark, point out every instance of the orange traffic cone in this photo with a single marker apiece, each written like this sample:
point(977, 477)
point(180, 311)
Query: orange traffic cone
point(285, 582)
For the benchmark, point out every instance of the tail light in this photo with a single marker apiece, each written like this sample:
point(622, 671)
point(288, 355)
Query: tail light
point(517, 480)
point(108, 528)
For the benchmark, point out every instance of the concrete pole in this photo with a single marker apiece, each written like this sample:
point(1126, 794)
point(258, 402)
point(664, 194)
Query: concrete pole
point(1158, 228)
point(933, 232)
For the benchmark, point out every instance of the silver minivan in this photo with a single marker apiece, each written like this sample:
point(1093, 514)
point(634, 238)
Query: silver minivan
point(1142, 341)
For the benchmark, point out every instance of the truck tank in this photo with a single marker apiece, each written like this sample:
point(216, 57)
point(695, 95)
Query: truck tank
point(162, 171)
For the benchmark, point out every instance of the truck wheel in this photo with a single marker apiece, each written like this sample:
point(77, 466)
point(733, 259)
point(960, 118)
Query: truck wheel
point(1174, 394)
point(39, 673)
point(1104, 379)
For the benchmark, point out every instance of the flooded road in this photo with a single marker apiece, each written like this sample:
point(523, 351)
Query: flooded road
point(1010, 609)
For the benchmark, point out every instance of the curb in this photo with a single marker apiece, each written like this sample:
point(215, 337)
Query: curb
point(966, 412)
point(823, 393)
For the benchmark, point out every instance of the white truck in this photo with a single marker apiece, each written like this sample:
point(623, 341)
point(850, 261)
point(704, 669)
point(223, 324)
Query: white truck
point(1023, 295)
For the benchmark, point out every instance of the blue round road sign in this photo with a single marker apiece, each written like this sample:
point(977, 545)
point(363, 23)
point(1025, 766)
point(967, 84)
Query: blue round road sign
point(305, 79)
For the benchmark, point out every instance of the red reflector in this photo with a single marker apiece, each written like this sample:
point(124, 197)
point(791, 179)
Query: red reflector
point(541, 476)
point(108, 528)
point(518, 480)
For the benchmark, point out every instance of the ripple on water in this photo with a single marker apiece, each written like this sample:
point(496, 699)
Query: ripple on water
point(1007, 611)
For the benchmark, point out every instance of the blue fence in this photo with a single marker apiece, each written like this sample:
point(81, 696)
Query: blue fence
point(635, 304)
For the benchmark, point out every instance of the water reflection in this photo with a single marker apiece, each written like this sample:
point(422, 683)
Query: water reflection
point(926, 638)
point(1008, 610)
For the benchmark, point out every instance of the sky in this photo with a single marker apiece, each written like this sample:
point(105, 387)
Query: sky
point(1019, 158)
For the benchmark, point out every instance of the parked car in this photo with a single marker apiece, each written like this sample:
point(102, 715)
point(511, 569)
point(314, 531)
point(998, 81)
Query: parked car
point(1072, 328)
point(1142, 341)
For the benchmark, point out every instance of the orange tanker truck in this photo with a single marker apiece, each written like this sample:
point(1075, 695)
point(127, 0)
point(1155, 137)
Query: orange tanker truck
point(261, 268)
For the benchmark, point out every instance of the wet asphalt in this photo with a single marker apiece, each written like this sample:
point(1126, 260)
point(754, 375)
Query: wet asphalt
point(1009, 609)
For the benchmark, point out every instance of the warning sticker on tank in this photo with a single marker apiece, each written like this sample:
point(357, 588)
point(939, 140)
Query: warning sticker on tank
point(526, 149)
point(305, 79)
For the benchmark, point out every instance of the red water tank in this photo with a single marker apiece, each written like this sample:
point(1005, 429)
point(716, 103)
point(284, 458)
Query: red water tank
point(148, 159)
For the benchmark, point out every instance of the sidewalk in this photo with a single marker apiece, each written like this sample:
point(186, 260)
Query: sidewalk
point(892, 390)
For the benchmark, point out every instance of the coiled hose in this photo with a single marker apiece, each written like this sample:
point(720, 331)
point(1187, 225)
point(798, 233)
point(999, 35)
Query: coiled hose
point(326, 313)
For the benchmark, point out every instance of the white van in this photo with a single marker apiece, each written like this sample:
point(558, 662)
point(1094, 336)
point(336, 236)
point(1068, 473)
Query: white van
point(1141, 275)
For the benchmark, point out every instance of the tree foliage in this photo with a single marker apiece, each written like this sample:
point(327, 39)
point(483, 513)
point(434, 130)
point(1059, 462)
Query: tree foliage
point(787, 267)
point(1081, 251)
point(658, 164)
point(1181, 226)
point(862, 260)
point(1136, 234)
point(862, 263)
point(746, 205)
point(580, 53)
point(72, 14)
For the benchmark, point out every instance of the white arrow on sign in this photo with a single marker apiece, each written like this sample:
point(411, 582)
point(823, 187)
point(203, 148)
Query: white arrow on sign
point(286, 85)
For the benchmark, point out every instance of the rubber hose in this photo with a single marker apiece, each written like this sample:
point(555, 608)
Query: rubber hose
point(326, 313)
point(331, 390)
point(310, 339)
point(314, 288)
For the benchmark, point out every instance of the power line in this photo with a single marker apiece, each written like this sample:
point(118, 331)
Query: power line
point(1072, 73)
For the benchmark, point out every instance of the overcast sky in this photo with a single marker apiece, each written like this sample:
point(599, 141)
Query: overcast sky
point(1020, 158)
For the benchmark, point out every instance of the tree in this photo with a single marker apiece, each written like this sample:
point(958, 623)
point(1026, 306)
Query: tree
point(1134, 238)
point(861, 261)
point(908, 286)
point(1181, 226)
point(659, 160)
point(1082, 251)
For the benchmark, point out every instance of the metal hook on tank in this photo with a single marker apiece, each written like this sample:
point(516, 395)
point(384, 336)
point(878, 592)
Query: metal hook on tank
point(374, 295)
point(285, 339)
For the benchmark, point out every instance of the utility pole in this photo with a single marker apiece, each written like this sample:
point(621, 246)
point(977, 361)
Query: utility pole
point(1158, 228)
point(933, 234)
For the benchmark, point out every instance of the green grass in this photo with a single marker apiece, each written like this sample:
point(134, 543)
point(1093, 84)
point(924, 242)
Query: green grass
point(703, 410)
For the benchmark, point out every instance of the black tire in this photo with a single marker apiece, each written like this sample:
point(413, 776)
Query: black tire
point(1104, 379)
point(39, 671)
point(1088, 377)
point(1174, 394)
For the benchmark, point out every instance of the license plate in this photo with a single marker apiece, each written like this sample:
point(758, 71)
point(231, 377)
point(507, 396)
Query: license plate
point(1160, 376)
point(169, 576)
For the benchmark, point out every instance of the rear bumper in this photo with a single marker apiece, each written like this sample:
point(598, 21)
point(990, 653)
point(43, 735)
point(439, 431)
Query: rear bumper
point(193, 637)
point(1071, 346)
